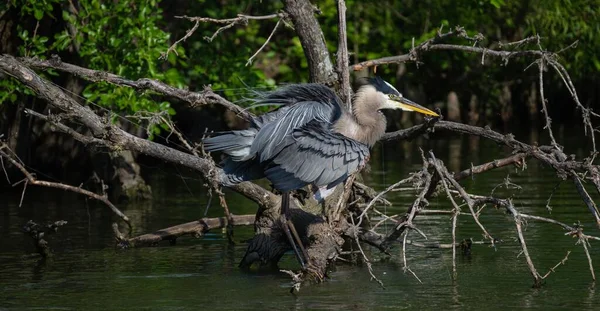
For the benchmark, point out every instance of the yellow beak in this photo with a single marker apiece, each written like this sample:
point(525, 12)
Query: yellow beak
point(409, 105)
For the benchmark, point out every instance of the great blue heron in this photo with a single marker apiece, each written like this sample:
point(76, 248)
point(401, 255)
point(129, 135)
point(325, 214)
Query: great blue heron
point(310, 139)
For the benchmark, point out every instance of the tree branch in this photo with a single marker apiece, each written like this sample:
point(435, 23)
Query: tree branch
point(229, 22)
point(312, 39)
point(342, 57)
point(30, 179)
point(433, 45)
point(517, 159)
point(207, 96)
point(196, 228)
point(116, 138)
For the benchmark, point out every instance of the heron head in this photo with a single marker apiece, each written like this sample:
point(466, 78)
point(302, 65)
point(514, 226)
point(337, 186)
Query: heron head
point(390, 98)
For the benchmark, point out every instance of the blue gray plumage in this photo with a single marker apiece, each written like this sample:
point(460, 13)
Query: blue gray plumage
point(310, 139)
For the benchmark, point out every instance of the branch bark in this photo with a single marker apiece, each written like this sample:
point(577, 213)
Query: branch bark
point(342, 57)
point(205, 97)
point(31, 179)
point(312, 39)
point(196, 228)
point(115, 138)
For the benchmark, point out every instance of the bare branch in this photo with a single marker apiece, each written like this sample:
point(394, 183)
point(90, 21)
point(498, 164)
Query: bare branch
point(553, 269)
point(433, 45)
point(428, 182)
point(518, 223)
point(548, 126)
point(34, 181)
point(196, 228)
point(249, 62)
point(207, 96)
point(516, 159)
point(342, 57)
point(443, 172)
point(172, 48)
point(228, 22)
point(115, 137)
point(583, 241)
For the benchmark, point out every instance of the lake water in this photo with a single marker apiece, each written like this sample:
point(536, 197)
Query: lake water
point(87, 272)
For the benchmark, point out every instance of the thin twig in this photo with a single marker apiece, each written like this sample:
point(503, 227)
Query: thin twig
point(518, 223)
point(228, 22)
point(34, 181)
point(516, 159)
point(548, 126)
point(406, 268)
point(553, 269)
point(378, 197)
point(443, 171)
point(249, 62)
point(365, 258)
point(583, 240)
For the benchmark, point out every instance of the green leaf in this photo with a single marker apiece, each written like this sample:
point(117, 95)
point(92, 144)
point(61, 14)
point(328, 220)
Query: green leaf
point(497, 3)
point(38, 14)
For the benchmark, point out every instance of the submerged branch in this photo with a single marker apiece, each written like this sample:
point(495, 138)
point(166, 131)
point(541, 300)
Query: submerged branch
point(196, 228)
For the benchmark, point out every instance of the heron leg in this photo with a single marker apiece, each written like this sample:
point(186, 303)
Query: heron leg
point(290, 230)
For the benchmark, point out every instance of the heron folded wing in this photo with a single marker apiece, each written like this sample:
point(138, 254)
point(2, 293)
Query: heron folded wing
point(271, 138)
point(301, 104)
point(315, 155)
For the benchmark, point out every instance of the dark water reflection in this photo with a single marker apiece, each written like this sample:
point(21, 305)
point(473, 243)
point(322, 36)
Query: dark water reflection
point(88, 273)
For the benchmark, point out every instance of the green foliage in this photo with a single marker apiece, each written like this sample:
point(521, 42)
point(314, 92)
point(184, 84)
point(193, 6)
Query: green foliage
point(221, 62)
point(386, 28)
point(564, 22)
point(121, 37)
point(127, 38)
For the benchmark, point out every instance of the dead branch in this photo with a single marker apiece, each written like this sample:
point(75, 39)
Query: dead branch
point(115, 138)
point(249, 62)
point(380, 195)
point(195, 228)
point(516, 159)
point(428, 182)
point(443, 172)
point(39, 234)
point(542, 57)
point(31, 179)
point(364, 256)
point(537, 278)
point(311, 36)
point(553, 269)
point(404, 261)
point(205, 97)
point(342, 57)
point(548, 125)
point(584, 242)
point(433, 45)
point(564, 166)
point(576, 232)
point(228, 22)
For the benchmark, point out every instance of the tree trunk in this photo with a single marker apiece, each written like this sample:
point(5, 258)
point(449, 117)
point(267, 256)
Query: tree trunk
point(323, 241)
point(307, 27)
point(453, 105)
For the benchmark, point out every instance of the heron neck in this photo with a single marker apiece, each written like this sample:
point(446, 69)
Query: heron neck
point(366, 127)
